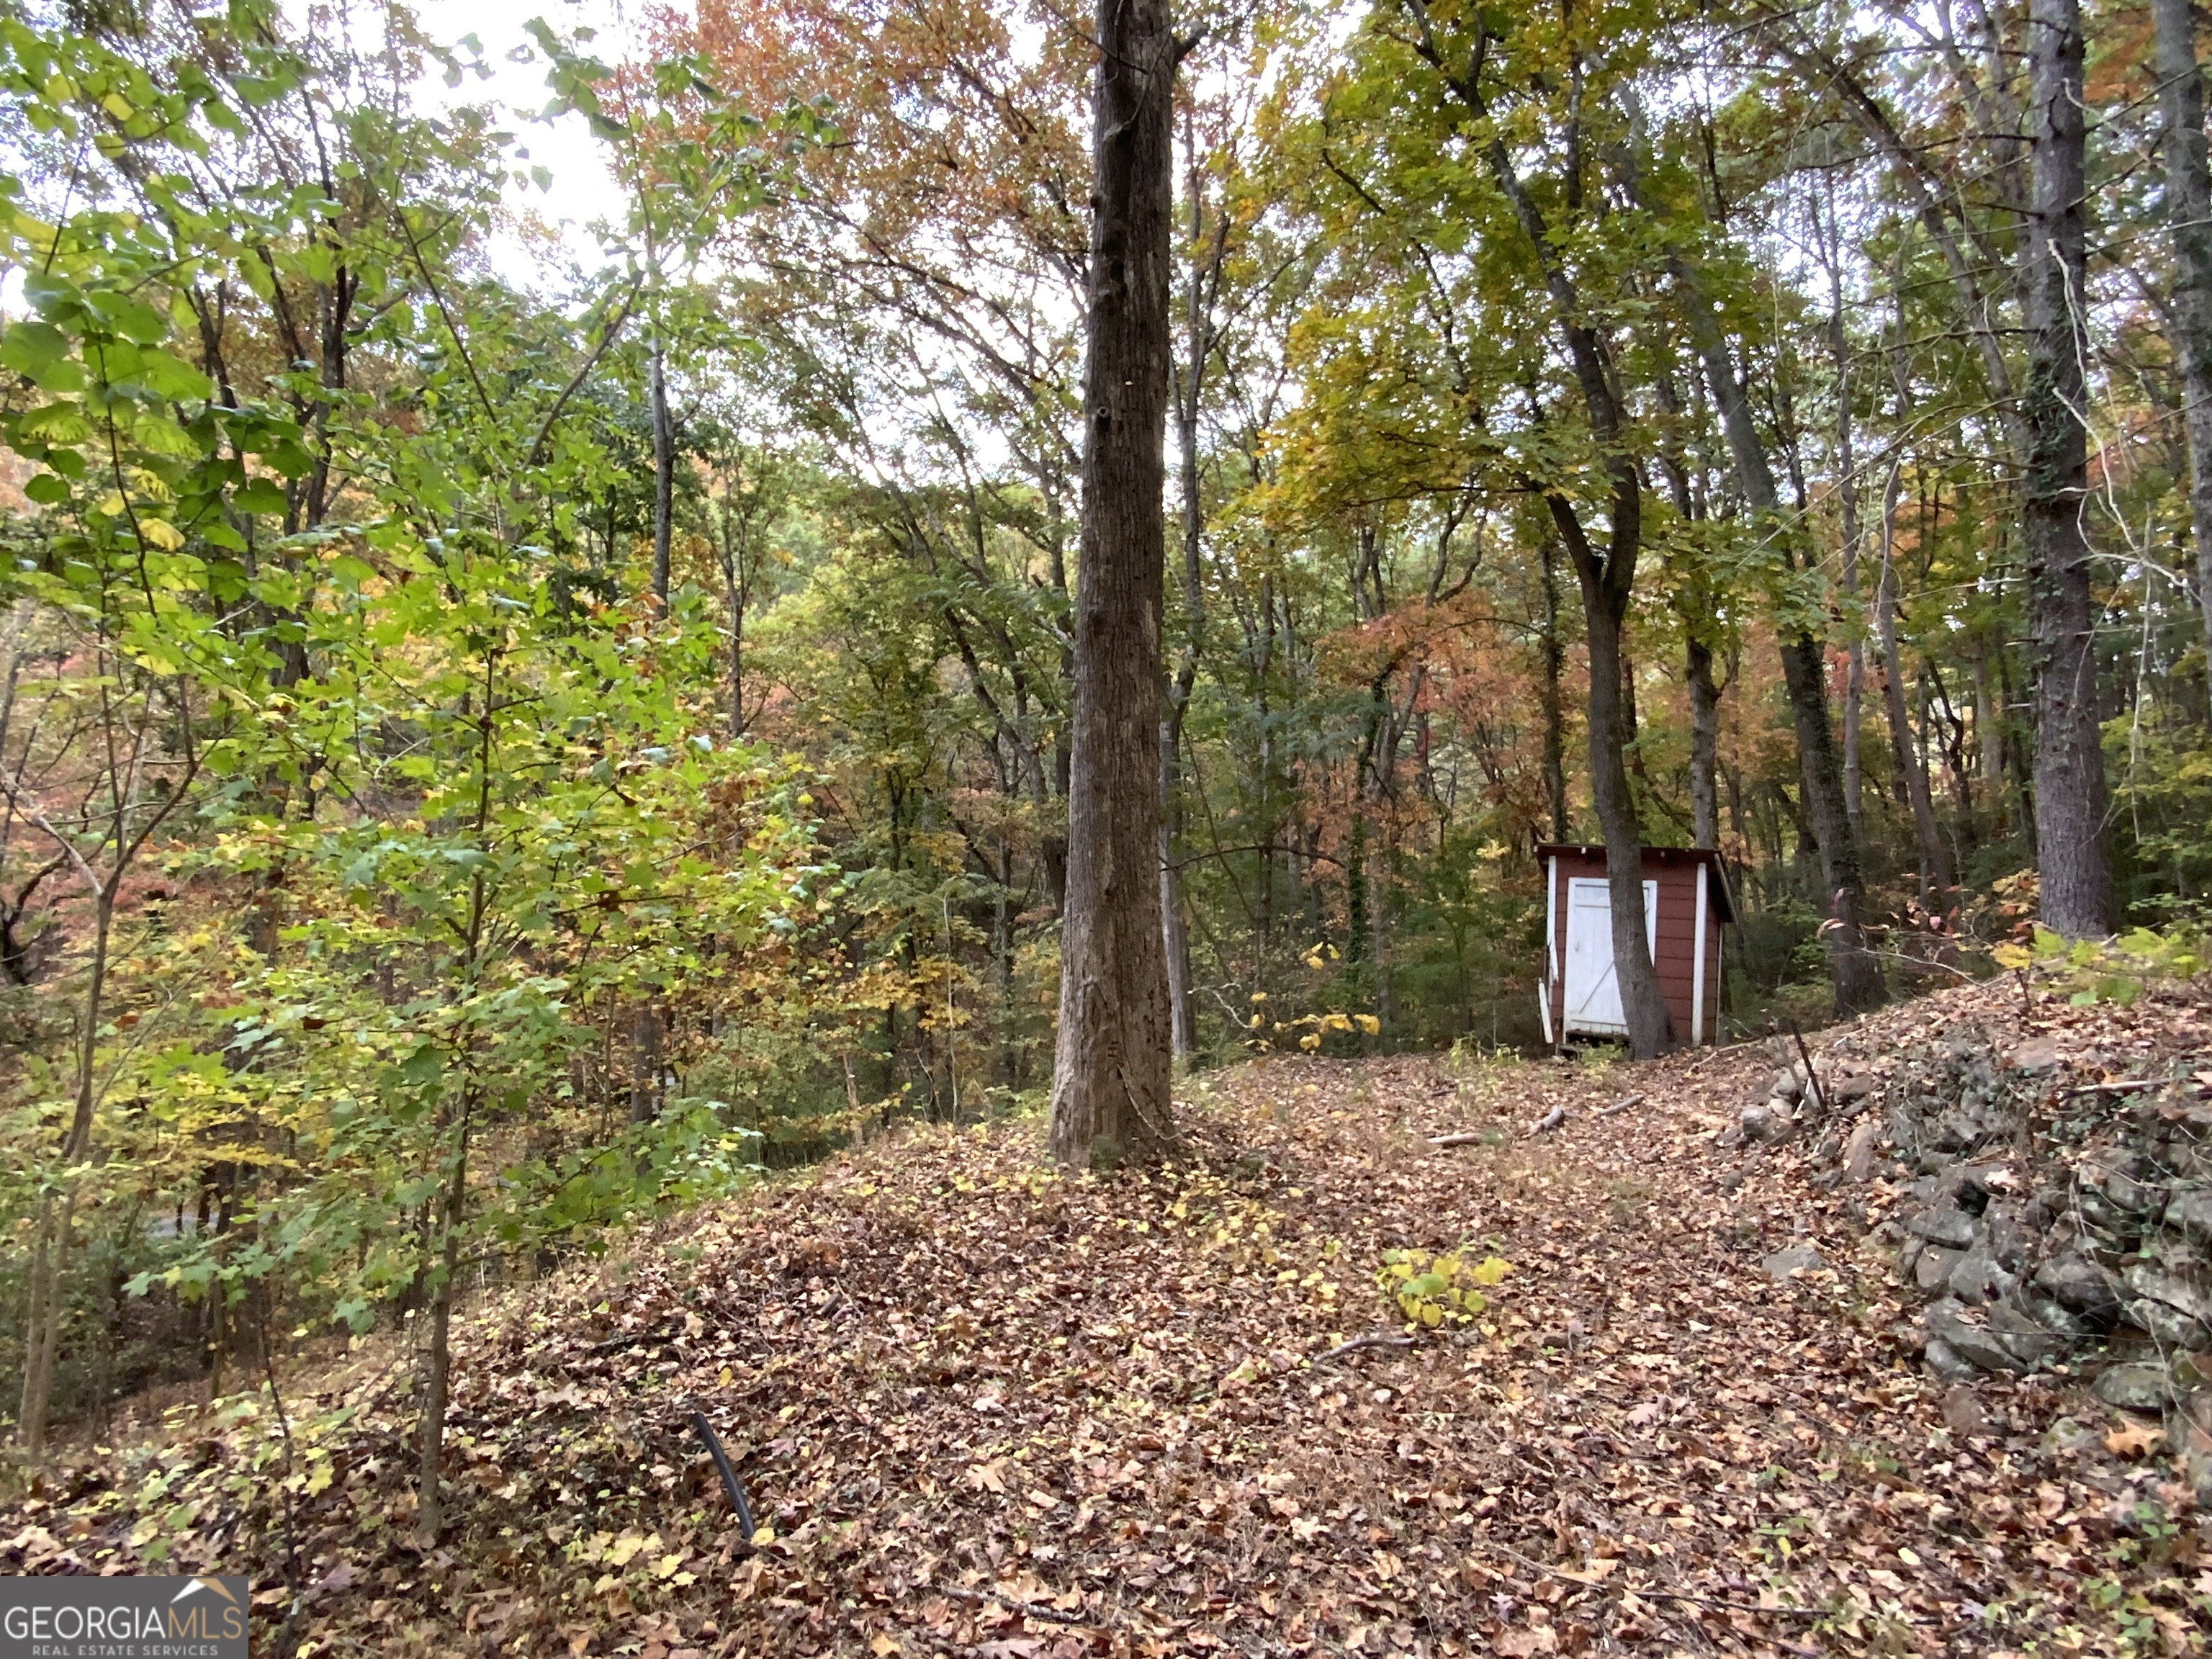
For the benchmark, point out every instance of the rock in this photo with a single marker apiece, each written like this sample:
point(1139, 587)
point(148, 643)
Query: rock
point(1932, 1271)
point(1942, 1224)
point(2174, 1308)
point(2054, 1316)
point(2188, 1212)
point(2040, 1054)
point(1797, 1257)
point(1975, 1277)
point(1962, 1411)
point(2000, 1339)
point(1729, 1138)
point(1852, 1086)
point(1859, 1152)
point(1731, 1180)
point(2142, 1387)
point(2005, 1235)
point(2080, 1286)
point(1944, 1362)
point(1789, 1083)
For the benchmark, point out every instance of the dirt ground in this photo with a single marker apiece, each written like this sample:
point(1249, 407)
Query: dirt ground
point(984, 1408)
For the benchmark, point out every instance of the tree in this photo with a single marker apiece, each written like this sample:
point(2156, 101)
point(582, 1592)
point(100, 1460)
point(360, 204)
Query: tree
point(1111, 1066)
point(2070, 762)
point(2189, 221)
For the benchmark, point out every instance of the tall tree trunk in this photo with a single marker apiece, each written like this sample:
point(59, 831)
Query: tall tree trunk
point(1856, 974)
point(437, 1394)
point(2069, 764)
point(1112, 1067)
point(1605, 602)
point(664, 472)
point(1989, 728)
point(50, 1252)
point(1174, 932)
point(1848, 488)
point(1554, 653)
point(1936, 877)
point(2189, 212)
point(1704, 744)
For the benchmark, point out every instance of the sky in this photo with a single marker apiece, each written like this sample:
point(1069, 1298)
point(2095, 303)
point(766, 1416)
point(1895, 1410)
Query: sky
point(583, 190)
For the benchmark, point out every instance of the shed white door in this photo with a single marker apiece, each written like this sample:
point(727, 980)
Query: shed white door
point(1593, 988)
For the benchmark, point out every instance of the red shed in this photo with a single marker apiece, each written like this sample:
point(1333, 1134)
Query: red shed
point(1686, 905)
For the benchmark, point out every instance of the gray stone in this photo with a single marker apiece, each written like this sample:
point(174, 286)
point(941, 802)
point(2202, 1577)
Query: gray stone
point(1976, 1278)
point(2172, 1308)
point(2036, 1054)
point(1945, 1364)
point(1797, 1257)
point(2188, 1212)
point(1942, 1224)
point(1999, 1339)
point(2006, 1236)
point(2053, 1315)
point(2134, 1197)
point(1859, 1151)
point(1789, 1083)
point(1933, 1269)
point(2081, 1285)
point(1852, 1086)
point(2136, 1388)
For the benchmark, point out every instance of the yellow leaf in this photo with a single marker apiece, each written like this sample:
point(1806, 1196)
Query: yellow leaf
point(763, 1538)
point(161, 534)
point(1491, 1270)
point(666, 1567)
point(1369, 1023)
point(624, 1547)
point(882, 1646)
point(1309, 1042)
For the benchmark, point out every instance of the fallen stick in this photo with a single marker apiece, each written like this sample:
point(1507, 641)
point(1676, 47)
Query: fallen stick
point(1372, 1340)
point(1550, 1121)
point(1457, 1138)
point(1620, 1106)
point(2125, 1085)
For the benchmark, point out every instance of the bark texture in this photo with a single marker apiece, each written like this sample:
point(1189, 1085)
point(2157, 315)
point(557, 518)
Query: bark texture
point(2189, 212)
point(2070, 765)
point(1111, 1070)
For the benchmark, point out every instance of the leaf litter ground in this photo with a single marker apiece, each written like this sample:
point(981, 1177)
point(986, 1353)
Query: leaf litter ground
point(986, 1409)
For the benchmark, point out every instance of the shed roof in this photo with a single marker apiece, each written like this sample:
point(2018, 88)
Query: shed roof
point(1716, 890)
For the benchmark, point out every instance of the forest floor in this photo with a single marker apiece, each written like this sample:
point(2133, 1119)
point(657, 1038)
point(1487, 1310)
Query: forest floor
point(987, 1409)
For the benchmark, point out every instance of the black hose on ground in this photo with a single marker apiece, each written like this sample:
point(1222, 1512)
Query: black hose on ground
point(737, 1494)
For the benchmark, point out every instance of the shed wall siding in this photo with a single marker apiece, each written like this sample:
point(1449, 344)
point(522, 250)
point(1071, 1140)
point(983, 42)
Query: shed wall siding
point(1676, 956)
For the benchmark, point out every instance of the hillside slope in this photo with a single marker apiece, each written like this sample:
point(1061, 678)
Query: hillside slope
point(985, 1408)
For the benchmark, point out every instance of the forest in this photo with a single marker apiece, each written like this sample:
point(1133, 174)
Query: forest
point(1030, 561)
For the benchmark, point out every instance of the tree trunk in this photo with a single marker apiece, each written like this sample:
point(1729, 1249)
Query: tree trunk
point(1856, 974)
point(2189, 212)
point(1112, 1067)
point(50, 1254)
point(2069, 764)
point(430, 1514)
point(1704, 744)
point(645, 1064)
point(1989, 728)
point(664, 472)
point(1643, 1004)
point(1175, 934)
point(1936, 877)
point(1555, 726)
